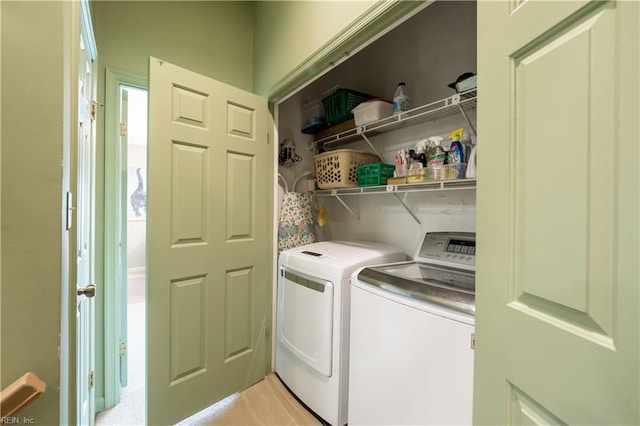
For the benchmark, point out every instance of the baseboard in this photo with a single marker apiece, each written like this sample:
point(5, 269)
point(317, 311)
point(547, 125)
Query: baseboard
point(137, 271)
point(99, 404)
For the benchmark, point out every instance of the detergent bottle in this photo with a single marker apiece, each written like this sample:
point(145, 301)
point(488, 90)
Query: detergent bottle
point(400, 99)
point(437, 154)
point(436, 158)
point(471, 167)
point(456, 152)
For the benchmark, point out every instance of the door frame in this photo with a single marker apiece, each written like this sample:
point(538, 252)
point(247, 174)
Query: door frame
point(76, 21)
point(113, 151)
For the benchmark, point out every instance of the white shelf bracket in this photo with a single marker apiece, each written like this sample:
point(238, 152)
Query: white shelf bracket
point(347, 207)
point(366, 139)
point(464, 114)
point(408, 209)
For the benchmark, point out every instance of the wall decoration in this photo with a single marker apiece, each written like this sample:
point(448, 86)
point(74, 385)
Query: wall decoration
point(137, 209)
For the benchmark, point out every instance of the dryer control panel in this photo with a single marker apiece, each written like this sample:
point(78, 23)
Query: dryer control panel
point(457, 248)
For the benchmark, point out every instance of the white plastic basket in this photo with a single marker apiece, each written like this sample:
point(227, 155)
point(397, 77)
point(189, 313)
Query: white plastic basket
point(339, 168)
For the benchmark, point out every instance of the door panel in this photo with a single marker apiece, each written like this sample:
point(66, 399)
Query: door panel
point(189, 185)
point(238, 327)
point(240, 174)
point(557, 292)
point(209, 241)
point(187, 332)
point(563, 86)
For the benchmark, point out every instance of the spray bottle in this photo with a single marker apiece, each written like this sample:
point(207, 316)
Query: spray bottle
point(437, 157)
point(422, 148)
point(456, 153)
point(437, 154)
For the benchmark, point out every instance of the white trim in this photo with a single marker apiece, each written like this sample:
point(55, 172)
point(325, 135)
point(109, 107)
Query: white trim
point(87, 28)
point(114, 80)
point(137, 271)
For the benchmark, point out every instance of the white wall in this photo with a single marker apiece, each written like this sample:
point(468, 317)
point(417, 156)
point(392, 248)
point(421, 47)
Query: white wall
point(136, 158)
point(428, 51)
point(382, 217)
point(136, 227)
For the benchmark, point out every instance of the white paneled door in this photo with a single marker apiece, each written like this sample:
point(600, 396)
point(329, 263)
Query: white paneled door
point(557, 325)
point(209, 241)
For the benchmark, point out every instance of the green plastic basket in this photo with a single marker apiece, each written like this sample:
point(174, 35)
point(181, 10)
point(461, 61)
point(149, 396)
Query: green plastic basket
point(374, 174)
point(338, 105)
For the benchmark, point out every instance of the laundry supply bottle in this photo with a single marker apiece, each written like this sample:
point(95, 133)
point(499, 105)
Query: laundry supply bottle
point(400, 99)
point(456, 152)
point(456, 168)
point(437, 154)
point(416, 172)
point(421, 151)
point(437, 157)
point(472, 167)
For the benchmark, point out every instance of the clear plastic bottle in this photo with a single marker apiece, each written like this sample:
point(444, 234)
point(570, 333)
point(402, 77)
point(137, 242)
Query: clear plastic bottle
point(400, 99)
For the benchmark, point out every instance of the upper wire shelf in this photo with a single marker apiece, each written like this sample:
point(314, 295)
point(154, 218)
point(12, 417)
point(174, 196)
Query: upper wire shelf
point(453, 104)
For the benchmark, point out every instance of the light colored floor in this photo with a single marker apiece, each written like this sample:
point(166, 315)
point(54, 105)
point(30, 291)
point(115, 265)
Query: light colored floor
point(130, 410)
point(265, 403)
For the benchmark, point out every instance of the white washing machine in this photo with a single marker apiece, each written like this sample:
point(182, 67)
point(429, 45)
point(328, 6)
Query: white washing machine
point(312, 345)
point(412, 337)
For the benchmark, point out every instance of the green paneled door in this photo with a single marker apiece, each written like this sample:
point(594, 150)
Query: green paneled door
point(557, 325)
point(209, 241)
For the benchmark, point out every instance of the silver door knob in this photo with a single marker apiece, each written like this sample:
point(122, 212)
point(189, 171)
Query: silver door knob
point(88, 291)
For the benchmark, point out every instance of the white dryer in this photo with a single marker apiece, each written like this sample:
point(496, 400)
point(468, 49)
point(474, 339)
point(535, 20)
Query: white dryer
point(312, 348)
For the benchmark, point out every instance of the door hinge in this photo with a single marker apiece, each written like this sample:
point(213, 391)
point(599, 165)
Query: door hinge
point(94, 110)
point(123, 129)
point(267, 333)
point(92, 379)
point(473, 341)
point(123, 348)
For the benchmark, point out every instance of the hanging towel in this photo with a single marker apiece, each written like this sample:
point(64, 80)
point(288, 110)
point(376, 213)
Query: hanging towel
point(296, 222)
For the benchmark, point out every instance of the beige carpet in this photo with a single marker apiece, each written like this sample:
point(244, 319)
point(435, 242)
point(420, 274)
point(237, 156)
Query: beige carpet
point(266, 403)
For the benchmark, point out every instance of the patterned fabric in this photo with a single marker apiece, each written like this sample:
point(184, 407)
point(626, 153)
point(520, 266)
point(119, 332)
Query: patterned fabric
point(296, 222)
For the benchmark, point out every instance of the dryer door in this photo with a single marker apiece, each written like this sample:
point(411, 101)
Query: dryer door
point(305, 318)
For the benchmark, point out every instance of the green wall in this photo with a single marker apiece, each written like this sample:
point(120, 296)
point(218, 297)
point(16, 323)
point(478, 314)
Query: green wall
point(213, 38)
point(32, 155)
point(289, 32)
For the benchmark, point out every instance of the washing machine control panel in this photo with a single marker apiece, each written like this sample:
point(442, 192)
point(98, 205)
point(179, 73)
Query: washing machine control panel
point(458, 248)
